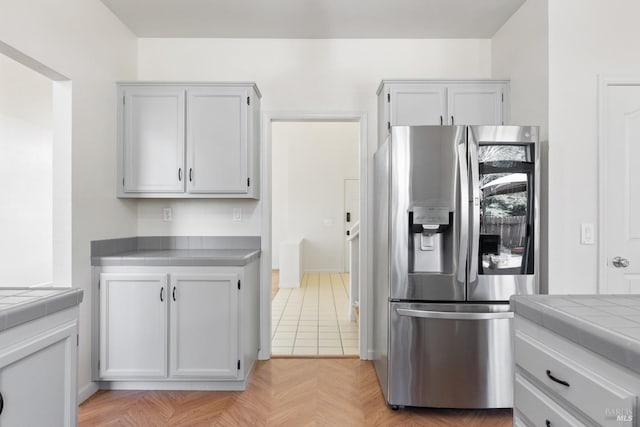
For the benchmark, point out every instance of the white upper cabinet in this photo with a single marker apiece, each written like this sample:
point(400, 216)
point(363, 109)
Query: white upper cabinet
point(417, 104)
point(480, 104)
point(440, 102)
point(189, 140)
point(217, 139)
point(153, 133)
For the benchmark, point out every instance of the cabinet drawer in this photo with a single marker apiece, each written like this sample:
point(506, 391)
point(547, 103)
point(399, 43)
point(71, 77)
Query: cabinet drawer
point(537, 408)
point(605, 402)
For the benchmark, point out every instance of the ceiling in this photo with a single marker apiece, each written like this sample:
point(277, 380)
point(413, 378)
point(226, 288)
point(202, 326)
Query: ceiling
point(314, 18)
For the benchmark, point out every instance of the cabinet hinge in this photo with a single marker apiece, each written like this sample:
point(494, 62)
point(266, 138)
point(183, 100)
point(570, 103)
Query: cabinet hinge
point(503, 97)
point(123, 181)
point(238, 364)
point(98, 284)
point(238, 284)
point(388, 97)
point(248, 100)
point(123, 100)
point(77, 340)
point(98, 364)
point(248, 182)
point(388, 125)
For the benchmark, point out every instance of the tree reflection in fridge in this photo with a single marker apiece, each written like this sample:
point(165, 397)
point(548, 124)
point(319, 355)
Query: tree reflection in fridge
point(506, 209)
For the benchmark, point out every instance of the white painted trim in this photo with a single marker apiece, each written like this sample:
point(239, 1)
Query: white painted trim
point(87, 391)
point(268, 117)
point(604, 82)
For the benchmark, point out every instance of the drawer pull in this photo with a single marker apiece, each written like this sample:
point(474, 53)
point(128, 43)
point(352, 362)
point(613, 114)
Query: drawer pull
point(552, 378)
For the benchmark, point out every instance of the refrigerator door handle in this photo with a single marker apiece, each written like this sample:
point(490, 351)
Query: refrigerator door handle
point(475, 206)
point(464, 212)
point(454, 315)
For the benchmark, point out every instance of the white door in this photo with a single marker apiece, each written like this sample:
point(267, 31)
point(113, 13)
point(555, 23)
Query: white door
point(153, 132)
point(204, 326)
point(620, 226)
point(475, 104)
point(351, 213)
point(217, 140)
point(133, 325)
point(417, 104)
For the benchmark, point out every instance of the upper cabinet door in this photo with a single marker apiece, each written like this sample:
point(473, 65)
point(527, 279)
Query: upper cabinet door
point(217, 139)
point(480, 104)
point(153, 135)
point(417, 104)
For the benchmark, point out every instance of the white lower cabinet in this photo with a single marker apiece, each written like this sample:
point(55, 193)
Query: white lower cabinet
point(204, 326)
point(559, 383)
point(38, 371)
point(160, 326)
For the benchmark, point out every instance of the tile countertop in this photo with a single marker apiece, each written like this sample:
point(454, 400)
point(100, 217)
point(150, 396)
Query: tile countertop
point(20, 305)
point(608, 325)
point(179, 257)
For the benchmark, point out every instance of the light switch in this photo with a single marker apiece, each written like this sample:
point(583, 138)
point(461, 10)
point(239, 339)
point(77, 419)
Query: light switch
point(237, 214)
point(167, 214)
point(587, 234)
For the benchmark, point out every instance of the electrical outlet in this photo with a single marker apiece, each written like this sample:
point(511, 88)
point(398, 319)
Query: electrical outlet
point(167, 214)
point(587, 234)
point(237, 215)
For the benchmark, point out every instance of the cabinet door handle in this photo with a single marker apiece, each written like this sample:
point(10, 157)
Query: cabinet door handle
point(452, 121)
point(559, 381)
point(179, 174)
point(190, 173)
point(174, 293)
point(162, 293)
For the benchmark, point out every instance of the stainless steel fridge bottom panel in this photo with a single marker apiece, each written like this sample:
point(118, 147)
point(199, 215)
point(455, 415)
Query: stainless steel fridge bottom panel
point(450, 355)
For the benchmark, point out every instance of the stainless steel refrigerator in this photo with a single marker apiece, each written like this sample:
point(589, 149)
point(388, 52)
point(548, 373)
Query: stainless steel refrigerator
point(455, 235)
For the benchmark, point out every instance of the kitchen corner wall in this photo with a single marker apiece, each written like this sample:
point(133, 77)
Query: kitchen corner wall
point(586, 39)
point(82, 40)
point(520, 53)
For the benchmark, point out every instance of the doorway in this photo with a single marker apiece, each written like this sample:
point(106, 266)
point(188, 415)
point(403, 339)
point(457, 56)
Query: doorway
point(321, 266)
point(311, 162)
point(35, 142)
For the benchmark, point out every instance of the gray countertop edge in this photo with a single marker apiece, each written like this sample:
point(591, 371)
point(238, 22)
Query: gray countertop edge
point(235, 257)
point(604, 341)
point(32, 310)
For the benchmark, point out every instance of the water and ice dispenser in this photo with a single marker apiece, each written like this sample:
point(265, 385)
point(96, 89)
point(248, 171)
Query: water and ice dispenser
point(431, 239)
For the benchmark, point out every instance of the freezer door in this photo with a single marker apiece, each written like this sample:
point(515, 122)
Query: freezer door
point(450, 355)
point(504, 183)
point(427, 216)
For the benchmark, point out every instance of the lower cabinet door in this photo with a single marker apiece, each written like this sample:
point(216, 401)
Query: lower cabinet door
point(133, 326)
point(38, 380)
point(204, 326)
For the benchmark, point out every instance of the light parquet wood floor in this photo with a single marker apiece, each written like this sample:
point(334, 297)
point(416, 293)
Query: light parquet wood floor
point(282, 392)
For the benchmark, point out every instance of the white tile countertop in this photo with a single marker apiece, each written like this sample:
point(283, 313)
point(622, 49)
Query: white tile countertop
point(22, 304)
point(605, 324)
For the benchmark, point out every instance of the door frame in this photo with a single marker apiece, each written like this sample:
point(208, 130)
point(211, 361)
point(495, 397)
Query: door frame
point(604, 82)
point(268, 117)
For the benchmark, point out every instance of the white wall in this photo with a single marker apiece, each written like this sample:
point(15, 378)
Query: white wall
point(82, 40)
point(520, 53)
point(586, 39)
point(26, 159)
point(294, 75)
point(310, 161)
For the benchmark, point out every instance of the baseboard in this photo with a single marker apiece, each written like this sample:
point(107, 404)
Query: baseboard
point(87, 391)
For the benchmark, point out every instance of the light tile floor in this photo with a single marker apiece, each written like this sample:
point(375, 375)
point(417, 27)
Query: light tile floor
point(313, 320)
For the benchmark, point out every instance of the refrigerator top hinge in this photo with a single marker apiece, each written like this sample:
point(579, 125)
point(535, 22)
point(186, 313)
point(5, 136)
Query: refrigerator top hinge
point(388, 97)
